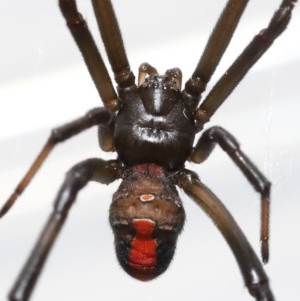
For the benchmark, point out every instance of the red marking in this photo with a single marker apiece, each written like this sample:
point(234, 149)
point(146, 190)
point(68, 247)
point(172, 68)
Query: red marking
point(140, 168)
point(142, 255)
point(148, 168)
point(147, 197)
point(155, 169)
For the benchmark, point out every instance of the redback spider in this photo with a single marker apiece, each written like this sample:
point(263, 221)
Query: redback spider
point(152, 125)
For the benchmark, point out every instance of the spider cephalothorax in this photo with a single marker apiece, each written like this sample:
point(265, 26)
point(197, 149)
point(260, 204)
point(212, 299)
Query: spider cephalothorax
point(155, 116)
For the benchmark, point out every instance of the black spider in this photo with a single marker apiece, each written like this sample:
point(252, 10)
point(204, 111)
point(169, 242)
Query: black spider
point(152, 126)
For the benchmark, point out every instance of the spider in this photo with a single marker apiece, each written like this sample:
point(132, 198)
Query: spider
point(152, 125)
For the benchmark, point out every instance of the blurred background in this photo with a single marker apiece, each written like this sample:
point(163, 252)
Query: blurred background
point(44, 83)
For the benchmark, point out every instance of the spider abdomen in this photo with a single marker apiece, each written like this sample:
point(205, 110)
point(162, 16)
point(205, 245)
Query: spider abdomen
point(146, 216)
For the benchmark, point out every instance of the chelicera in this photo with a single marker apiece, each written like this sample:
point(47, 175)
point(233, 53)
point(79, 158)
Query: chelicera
point(152, 125)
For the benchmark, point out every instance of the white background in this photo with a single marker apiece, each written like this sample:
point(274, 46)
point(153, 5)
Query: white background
point(44, 83)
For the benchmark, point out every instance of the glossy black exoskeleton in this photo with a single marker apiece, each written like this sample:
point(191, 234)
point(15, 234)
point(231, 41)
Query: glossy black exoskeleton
point(155, 117)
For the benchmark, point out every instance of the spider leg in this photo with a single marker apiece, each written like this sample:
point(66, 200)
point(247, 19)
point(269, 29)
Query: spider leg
point(229, 144)
point(214, 50)
point(255, 49)
point(99, 116)
point(253, 273)
point(112, 39)
point(90, 53)
point(90, 170)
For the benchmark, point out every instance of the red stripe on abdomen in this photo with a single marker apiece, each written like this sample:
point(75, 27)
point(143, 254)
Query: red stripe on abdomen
point(142, 255)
